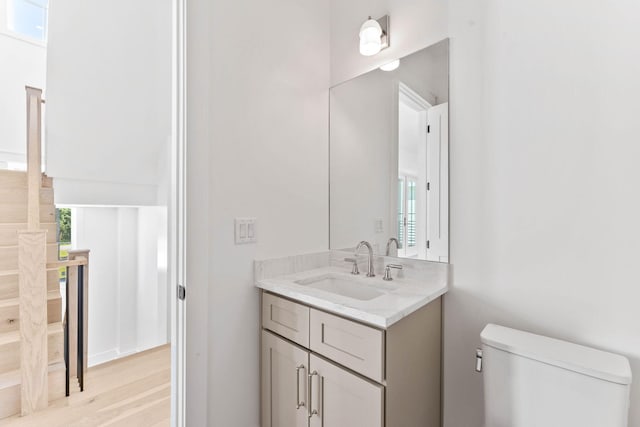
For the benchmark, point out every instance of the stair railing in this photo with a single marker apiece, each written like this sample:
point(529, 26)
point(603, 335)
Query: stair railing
point(76, 316)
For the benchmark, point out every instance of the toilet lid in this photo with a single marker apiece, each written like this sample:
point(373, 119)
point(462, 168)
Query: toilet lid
point(585, 360)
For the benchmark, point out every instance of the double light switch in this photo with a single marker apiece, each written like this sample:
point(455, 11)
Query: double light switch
point(245, 230)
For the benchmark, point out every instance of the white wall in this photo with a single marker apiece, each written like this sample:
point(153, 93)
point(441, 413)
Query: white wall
point(23, 64)
point(544, 206)
point(125, 249)
point(152, 308)
point(128, 283)
point(545, 230)
point(108, 99)
point(103, 300)
point(259, 104)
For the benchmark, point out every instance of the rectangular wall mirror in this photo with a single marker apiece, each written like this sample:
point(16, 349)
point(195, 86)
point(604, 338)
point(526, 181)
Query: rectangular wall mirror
point(389, 158)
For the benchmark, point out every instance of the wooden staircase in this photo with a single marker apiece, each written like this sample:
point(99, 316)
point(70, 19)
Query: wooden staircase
point(13, 218)
point(43, 352)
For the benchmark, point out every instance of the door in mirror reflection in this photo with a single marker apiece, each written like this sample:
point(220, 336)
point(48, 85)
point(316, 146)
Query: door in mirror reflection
point(437, 220)
point(423, 177)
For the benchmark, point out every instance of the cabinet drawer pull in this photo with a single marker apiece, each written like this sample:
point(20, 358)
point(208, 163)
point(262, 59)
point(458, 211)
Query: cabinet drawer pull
point(312, 411)
point(298, 403)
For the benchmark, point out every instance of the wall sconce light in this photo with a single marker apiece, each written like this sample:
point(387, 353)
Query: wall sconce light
point(374, 35)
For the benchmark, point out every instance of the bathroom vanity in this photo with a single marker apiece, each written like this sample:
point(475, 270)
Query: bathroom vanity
point(346, 350)
point(342, 349)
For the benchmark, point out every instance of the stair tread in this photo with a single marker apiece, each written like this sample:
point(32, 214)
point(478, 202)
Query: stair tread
point(25, 204)
point(13, 336)
point(14, 272)
point(19, 173)
point(10, 379)
point(8, 302)
point(10, 224)
point(13, 378)
point(8, 272)
point(16, 246)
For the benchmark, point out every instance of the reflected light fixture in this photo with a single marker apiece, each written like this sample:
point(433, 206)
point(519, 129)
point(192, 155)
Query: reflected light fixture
point(390, 66)
point(374, 36)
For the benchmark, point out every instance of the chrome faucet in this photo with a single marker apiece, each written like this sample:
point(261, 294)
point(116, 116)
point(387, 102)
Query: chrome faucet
point(387, 271)
point(370, 272)
point(392, 239)
point(354, 265)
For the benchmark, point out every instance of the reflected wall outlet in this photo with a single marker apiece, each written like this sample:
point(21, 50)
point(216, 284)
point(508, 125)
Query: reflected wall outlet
point(245, 230)
point(379, 225)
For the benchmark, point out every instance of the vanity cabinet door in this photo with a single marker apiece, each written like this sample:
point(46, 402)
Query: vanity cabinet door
point(284, 383)
point(339, 398)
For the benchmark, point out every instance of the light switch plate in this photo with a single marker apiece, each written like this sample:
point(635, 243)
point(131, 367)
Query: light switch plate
point(245, 231)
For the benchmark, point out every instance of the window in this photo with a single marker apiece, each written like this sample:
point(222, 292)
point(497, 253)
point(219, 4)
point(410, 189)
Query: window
point(407, 216)
point(63, 216)
point(28, 18)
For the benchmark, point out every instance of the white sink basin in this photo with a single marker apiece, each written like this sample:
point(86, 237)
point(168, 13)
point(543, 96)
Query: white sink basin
point(341, 286)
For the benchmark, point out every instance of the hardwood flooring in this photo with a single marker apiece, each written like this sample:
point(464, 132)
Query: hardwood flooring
point(132, 391)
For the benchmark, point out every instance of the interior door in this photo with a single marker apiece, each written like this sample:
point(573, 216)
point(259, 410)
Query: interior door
point(338, 398)
point(438, 183)
point(284, 383)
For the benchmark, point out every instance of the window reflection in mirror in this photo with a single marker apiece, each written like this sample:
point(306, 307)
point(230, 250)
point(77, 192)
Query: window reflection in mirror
point(389, 158)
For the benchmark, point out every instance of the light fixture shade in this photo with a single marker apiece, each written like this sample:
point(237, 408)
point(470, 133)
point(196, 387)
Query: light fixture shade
point(370, 37)
point(390, 66)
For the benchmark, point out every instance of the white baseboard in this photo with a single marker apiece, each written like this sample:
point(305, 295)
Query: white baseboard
point(108, 356)
point(103, 357)
point(126, 353)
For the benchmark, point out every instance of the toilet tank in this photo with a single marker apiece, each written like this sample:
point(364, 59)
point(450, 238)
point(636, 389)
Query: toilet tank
point(535, 381)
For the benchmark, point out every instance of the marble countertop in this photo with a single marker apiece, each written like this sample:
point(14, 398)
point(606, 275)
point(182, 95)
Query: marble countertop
point(398, 298)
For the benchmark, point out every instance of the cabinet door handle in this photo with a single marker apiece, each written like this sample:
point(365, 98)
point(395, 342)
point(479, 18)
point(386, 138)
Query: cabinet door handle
point(312, 411)
point(298, 403)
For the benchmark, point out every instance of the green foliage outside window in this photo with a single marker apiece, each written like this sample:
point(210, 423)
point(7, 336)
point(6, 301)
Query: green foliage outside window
point(64, 237)
point(65, 225)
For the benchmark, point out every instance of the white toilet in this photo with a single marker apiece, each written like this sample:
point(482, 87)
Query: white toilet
point(536, 381)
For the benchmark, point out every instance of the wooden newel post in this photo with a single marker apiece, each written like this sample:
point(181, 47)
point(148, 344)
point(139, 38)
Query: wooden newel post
point(34, 354)
point(34, 156)
point(32, 273)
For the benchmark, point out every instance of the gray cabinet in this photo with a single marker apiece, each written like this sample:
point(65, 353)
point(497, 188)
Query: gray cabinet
point(286, 318)
point(284, 383)
point(299, 389)
point(339, 398)
point(323, 370)
point(351, 344)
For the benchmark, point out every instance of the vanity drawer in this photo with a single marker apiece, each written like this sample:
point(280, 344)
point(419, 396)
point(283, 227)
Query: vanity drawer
point(286, 318)
point(351, 344)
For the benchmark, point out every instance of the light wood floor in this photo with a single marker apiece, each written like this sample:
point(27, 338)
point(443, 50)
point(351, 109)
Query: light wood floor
point(132, 391)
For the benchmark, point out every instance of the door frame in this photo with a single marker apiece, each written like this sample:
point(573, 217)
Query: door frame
point(177, 211)
point(420, 104)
